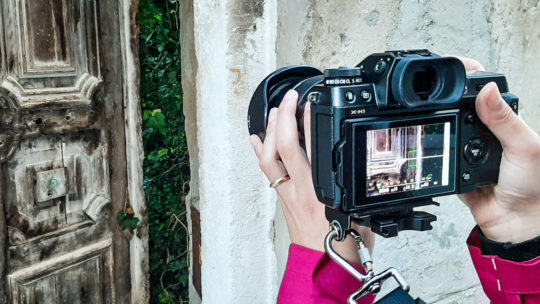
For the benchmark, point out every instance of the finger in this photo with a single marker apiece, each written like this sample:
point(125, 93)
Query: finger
point(471, 65)
point(515, 136)
point(257, 145)
point(269, 160)
point(288, 145)
point(307, 129)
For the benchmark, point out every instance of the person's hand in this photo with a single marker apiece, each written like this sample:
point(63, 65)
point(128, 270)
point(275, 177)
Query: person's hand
point(281, 154)
point(509, 211)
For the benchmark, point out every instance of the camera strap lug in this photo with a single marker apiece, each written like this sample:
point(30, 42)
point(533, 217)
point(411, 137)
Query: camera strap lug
point(372, 282)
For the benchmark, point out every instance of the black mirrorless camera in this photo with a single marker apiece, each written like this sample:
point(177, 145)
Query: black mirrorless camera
point(390, 134)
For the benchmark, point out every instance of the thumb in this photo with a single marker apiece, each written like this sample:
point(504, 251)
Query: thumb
point(497, 115)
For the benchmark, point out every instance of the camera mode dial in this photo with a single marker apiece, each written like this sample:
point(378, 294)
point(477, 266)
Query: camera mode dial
point(343, 76)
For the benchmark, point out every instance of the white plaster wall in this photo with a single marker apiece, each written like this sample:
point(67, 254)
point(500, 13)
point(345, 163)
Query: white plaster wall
point(230, 45)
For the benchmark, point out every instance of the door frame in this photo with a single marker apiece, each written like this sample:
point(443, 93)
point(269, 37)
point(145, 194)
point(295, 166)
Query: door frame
point(138, 249)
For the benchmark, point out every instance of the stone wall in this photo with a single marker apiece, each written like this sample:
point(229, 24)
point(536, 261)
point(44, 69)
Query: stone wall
point(229, 46)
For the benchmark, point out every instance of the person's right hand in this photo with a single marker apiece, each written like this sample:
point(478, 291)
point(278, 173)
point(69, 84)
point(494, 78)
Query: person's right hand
point(509, 211)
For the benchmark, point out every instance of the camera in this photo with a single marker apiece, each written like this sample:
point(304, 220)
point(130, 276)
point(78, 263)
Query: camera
point(390, 134)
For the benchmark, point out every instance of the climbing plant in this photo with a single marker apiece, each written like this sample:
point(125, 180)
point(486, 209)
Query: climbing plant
point(166, 165)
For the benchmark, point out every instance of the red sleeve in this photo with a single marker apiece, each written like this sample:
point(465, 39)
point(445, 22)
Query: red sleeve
point(312, 277)
point(505, 282)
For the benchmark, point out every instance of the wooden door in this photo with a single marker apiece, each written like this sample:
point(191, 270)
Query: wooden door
point(63, 169)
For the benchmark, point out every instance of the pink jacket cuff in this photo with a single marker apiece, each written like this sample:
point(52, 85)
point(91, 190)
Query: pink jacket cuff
point(505, 281)
point(312, 277)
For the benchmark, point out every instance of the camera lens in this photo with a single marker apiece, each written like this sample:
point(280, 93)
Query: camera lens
point(422, 81)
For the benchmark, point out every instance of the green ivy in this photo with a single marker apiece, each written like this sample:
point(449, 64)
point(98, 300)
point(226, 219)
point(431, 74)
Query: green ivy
point(166, 165)
point(127, 221)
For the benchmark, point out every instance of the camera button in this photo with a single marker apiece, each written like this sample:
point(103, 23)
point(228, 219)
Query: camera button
point(470, 119)
point(366, 95)
point(475, 151)
point(466, 177)
point(349, 96)
point(380, 67)
point(514, 106)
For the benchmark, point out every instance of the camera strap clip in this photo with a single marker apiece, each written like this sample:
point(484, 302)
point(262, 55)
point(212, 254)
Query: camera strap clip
point(372, 282)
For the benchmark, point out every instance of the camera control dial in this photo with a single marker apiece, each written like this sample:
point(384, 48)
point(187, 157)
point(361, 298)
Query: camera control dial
point(343, 76)
point(475, 151)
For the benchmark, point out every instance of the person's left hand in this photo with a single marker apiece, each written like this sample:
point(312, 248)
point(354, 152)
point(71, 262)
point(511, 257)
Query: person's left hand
point(281, 154)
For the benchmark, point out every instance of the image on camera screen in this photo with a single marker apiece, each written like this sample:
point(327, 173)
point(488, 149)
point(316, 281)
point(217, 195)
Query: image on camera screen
point(407, 158)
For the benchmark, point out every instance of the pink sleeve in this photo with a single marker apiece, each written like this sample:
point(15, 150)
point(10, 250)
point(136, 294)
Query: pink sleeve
point(312, 277)
point(505, 282)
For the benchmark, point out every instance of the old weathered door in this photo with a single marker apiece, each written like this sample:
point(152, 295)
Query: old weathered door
point(64, 176)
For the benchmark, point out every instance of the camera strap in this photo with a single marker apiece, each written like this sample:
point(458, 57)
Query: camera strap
point(372, 282)
point(399, 296)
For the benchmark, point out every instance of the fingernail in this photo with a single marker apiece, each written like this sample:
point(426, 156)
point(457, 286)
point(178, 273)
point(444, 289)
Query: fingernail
point(272, 115)
point(251, 141)
point(291, 94)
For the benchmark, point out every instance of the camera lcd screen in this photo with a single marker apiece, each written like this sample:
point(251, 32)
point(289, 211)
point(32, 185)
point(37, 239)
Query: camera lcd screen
point(408, 158)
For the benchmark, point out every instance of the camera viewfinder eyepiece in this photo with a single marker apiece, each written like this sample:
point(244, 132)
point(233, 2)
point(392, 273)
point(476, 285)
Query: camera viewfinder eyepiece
point(424, 81)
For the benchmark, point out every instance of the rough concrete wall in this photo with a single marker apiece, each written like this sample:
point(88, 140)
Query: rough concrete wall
point(516, 44)
point(232, 47)
point(503, 35)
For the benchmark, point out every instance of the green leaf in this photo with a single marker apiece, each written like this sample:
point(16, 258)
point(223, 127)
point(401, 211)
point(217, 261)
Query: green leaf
point(156, 120)
point(146, 114)
point(128, 221)
point(162, 152)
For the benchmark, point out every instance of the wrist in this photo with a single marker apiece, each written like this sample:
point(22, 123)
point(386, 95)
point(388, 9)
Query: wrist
point(513, 228)
point(516, 252)
point(348, 248)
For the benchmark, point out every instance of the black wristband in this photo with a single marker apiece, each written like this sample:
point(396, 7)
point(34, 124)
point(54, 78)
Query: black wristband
point(520, 252)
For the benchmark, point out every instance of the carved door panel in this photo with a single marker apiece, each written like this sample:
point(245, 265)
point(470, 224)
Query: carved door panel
point(62, 153)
